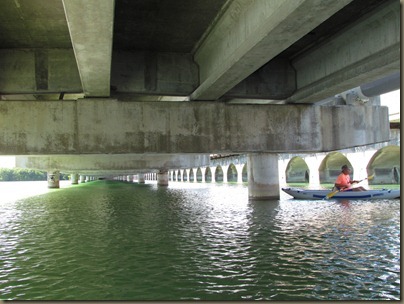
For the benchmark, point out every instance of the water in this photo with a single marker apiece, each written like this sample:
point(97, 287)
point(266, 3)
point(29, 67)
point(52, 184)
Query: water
point(118, 241)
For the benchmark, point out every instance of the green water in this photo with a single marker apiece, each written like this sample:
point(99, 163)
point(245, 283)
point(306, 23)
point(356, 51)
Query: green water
point(119, 241)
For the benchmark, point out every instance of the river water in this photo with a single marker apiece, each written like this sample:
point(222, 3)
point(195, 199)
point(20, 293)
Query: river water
point(109, 240)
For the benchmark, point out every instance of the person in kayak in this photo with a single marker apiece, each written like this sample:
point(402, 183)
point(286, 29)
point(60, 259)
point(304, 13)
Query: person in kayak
point(344, 182)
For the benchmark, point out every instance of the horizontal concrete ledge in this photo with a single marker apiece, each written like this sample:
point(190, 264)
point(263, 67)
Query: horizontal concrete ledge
point(107, 126)
point(125, 163)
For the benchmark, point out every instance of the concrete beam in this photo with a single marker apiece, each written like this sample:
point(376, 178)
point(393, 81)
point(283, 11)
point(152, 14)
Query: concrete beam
point(364, 52)
point(129, 163)
point(249, 34)
point(107, 126)
point(153, 73)
point(35, 71)
point(275, 81)
point(91, 27)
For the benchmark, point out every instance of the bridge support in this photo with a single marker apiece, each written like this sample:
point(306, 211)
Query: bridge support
point(263, 176)
point(162, 178)
point(140, 178)
point(53, 179)
point(74, 178)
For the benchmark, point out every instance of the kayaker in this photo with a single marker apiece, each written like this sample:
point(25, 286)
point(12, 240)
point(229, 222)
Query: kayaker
point(344, 182)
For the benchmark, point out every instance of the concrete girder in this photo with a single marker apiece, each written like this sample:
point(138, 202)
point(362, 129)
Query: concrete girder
point(112, 164)
point(367, 51)
point(153, 73)
point(249, 34)
point(90, 25)
point(36, 71)
point(107, 126)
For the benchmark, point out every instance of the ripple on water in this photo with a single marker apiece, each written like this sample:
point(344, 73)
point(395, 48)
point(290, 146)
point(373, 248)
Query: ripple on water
point(116, 241)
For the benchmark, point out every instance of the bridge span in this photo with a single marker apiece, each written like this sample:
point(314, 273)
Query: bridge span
point(380, 160)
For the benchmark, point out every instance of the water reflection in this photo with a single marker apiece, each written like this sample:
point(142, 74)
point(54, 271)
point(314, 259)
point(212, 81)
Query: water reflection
point(119, 241)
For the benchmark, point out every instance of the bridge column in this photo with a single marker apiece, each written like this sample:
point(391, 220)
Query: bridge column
point(195, 171)
point(313, 162)
point(74, 178)
point(82, 179)
point(53, 179)
point(162, 178)
point(225, 169)
point(239, 173)
point(140, 178)
point(213, 171)
point(263, 176)
point(129, 178)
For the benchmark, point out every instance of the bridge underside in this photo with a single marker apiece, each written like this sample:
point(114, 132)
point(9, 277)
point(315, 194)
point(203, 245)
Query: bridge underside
point(117, 79)
point(106, 126)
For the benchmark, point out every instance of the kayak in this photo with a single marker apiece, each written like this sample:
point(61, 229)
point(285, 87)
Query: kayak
point(321, 194)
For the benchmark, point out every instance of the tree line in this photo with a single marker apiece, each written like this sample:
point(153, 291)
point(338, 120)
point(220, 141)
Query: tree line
point(19, 174)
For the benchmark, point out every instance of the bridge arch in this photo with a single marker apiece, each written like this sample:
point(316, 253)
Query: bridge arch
point(199, 175)
point(191, 175)
point(385, 165)
point(219, 174)
point(232, 173)
point(244, 174)
point(331, 165)
point(208, 175)
point(297, 171)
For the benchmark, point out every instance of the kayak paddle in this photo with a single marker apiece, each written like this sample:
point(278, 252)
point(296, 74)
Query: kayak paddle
point(331, 194)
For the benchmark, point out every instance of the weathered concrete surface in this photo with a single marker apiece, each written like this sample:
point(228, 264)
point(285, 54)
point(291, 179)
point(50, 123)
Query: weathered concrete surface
point(112, 163)
point(364, 52)
point(249, 34)
point(38, 71)
point(91, 25)
point(263, 176)
point(106, 126)
point(235, 50)
point(153, 73)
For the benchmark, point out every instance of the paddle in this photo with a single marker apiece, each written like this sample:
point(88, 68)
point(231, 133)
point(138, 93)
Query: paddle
point(331, 194)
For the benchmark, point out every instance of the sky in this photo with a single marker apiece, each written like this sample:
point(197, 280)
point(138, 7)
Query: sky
point(391, 99)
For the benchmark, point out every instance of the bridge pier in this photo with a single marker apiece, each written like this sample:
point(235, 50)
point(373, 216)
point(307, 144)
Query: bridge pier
point(53, 179)
point(74, 178)
point(162, 178)
point(140, 178)
point(263, 176)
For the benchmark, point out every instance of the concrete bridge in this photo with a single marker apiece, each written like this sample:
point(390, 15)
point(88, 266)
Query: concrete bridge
point(110, 87)
point(380, 160)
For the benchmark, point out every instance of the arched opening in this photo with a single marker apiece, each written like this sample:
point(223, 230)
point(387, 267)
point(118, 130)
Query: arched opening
point(184, 176)
point(245, 174)
point(232, 174)
point(179, 175)
point(330, 167)
point(385, 165)
point(297, 171)
point(219, 174)
point(199, 175)
point(191, 175)
point(208, 175)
